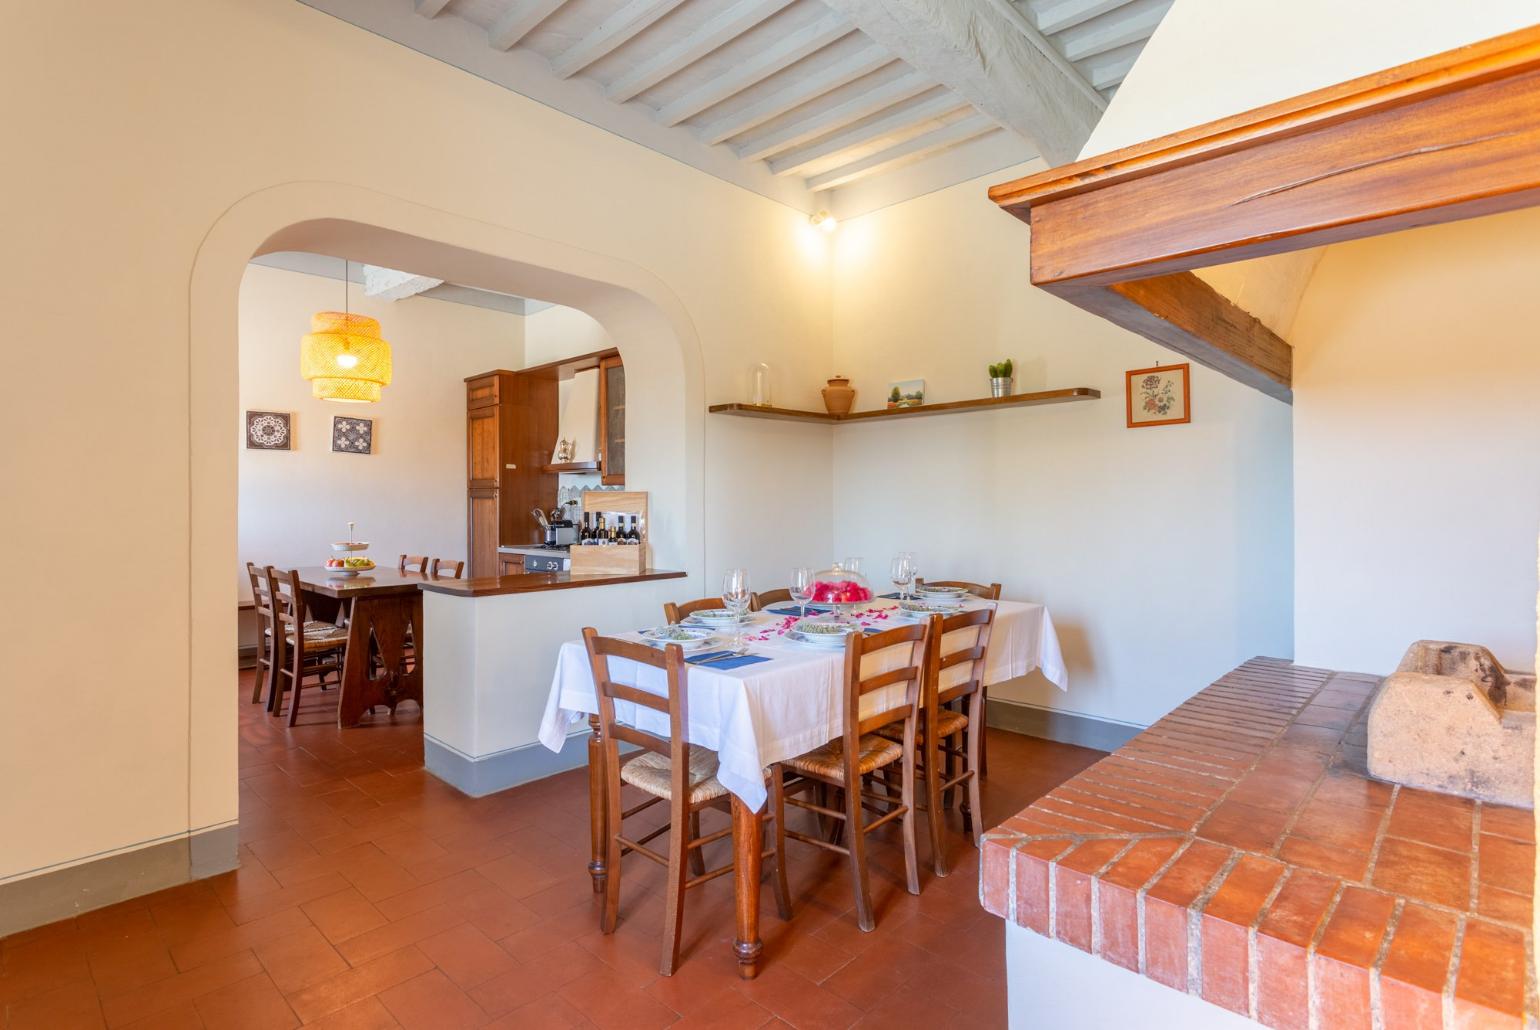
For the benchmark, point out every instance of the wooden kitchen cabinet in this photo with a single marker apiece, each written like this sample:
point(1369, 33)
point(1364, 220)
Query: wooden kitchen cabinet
point(511, 425)
point(612, 421)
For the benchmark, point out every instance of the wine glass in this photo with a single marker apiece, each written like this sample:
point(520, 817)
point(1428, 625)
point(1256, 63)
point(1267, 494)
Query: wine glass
point(901, 571)
point(735, 596)
point(851, 565)
point(802, 587)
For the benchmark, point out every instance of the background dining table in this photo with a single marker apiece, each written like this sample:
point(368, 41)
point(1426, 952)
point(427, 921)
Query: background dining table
point(756, 714)
point(385, 605)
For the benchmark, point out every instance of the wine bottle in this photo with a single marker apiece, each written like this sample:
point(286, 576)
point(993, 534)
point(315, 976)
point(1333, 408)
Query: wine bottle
point(632, 535)
point(585, 532)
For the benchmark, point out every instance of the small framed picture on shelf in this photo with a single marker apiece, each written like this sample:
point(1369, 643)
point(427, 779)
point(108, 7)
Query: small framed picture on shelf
point(269, 431)
point(909, 393)
point(1159, 396)
point(352, 435)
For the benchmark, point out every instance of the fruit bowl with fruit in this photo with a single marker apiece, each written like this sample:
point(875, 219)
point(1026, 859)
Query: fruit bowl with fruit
point(841, 589)
point(349, 566)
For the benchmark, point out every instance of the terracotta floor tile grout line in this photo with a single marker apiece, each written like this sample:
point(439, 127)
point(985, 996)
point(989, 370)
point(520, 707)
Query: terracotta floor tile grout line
point(1312, 994)
point(1195, 923)
point(1143, 893)
point(1253, 958)
point(1451, 983)
point(1376, 1011)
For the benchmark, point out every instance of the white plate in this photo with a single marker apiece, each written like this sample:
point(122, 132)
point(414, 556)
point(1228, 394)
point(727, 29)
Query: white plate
point(716, 617)
point(349, 545)
point(929, 606)
point(957, 593)
point(349, 573)
point(830, 635)
point(690, 638)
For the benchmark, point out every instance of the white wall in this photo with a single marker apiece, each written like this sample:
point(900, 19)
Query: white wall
point(1417, 446)
point(553, 333)
point(105, 465)
point(1162, 553)
point(1212, 58)
point(409, 495)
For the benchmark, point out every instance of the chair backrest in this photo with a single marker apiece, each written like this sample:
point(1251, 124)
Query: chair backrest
point(287, 601)
point(675, 612)
point(987, 593)
point(965, 654)
point(261, 595)
point(607, 691)
point(908, 675)
point(417, 563)
point(759, 602)
point(447, 567)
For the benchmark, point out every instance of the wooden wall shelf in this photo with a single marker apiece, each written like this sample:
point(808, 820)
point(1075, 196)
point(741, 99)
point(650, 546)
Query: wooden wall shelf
point(1074, 393)
point(571, 466)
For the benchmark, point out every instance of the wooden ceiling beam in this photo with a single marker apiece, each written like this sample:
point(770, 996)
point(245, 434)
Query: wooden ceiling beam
point(949, 135)
point(894, 123)
point(793, 95)
point(992, 55)
point(1448, 137)
point(910, 84)
point(520, 21)
point(611, 34)
point(714, 34)
point(430, 8)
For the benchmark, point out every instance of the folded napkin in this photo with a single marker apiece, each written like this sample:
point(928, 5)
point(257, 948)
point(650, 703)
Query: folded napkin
point(788, 609)
point(725, 662)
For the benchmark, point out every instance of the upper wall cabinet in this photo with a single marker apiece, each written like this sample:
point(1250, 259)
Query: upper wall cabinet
point(612, 421)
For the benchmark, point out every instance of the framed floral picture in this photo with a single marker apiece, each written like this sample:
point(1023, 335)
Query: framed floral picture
point(1159, 396)
point(268, 431)
point(352, 435)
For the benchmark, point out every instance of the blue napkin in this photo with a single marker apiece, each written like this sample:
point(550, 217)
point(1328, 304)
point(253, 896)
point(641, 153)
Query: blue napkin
point(789, 609)
point(725, 663)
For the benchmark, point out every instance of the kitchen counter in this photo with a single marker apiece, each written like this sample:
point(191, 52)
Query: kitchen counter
point(489, 586)
point(1238, 852)
point(535, 549)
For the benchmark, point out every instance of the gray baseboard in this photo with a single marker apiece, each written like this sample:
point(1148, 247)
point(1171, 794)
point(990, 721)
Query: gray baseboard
point(479, 777)
point(1063, 727)
point(62, 893)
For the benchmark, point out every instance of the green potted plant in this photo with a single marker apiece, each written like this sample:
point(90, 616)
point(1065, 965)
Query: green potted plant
point(1001, 378)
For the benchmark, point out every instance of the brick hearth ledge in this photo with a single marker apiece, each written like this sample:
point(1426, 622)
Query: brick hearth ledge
point(1237, 851)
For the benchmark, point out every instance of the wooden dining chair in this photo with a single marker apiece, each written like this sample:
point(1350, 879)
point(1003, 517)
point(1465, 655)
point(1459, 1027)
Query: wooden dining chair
point(675, 773)
point(948, 742)
point(842, 766)
point(984, 593)
point(979, 590)
point(301, 647)
point(417, 563)
point(446, 567)
point(676, 612)
point(759, 602)
point(263, 603)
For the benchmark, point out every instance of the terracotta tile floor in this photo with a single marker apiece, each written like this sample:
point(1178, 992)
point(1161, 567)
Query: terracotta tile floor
point(372, 895)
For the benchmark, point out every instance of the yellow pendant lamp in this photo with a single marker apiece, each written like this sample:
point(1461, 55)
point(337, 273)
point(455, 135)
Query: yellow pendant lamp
point(343, 355)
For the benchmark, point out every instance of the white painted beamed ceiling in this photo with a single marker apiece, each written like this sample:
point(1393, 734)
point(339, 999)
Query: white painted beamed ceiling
point(788, 98)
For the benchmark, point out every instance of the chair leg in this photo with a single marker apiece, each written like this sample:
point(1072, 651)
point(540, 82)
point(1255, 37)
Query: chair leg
point(983, 759)
point(598, 807)
point(975, 814)
point(778, 801)
point(697, 860)
point(299, 681)
point(857, 834)
point(933, 806)
point(612, 848)
point(673, 902)
point(906, 821)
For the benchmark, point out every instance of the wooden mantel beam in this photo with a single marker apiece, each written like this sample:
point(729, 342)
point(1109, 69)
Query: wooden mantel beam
point(1451, 136)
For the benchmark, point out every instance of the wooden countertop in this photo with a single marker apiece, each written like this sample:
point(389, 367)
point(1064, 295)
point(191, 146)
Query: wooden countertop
point(531, 582)
point(1237, 850)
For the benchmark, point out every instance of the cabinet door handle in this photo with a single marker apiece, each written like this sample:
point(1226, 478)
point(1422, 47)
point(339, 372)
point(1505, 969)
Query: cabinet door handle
point(510, 466)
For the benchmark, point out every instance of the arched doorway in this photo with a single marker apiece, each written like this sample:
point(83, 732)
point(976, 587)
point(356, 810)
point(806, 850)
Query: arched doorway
point(641, 314)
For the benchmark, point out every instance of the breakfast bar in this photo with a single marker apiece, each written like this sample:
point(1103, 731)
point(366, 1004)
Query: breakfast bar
point(1238, 853)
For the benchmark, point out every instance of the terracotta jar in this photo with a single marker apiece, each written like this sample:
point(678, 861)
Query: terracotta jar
point(838, 396)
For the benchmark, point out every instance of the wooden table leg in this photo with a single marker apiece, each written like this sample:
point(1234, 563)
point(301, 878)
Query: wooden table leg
point(380, 624)
point(598, 825)
point(748, 833)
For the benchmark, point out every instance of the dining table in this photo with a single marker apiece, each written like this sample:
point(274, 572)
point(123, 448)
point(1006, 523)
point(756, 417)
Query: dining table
point(383, 607)
point(787, 702)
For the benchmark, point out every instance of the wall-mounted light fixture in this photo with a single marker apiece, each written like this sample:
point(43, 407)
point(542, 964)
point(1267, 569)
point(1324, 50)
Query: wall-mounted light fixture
point(825, 221)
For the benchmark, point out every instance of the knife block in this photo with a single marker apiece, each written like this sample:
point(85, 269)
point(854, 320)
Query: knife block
point(623, 559)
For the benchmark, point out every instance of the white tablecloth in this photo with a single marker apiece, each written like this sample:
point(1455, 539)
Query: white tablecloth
point(769, 711)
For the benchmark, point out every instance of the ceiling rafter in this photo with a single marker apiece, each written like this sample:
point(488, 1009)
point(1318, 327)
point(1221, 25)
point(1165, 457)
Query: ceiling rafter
point(892, 124)
point(612, 33)
point(990, 54)
point(921, 146)
point(1111, 33)
point(1111, 68)
point(715, 33)
point(782, 55)
point(1068, 13)
point(792, 96)
point(870, 102)
point(520, 20)
point(430, 8)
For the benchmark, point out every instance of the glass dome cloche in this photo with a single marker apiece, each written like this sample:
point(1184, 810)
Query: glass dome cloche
point(841, 588)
